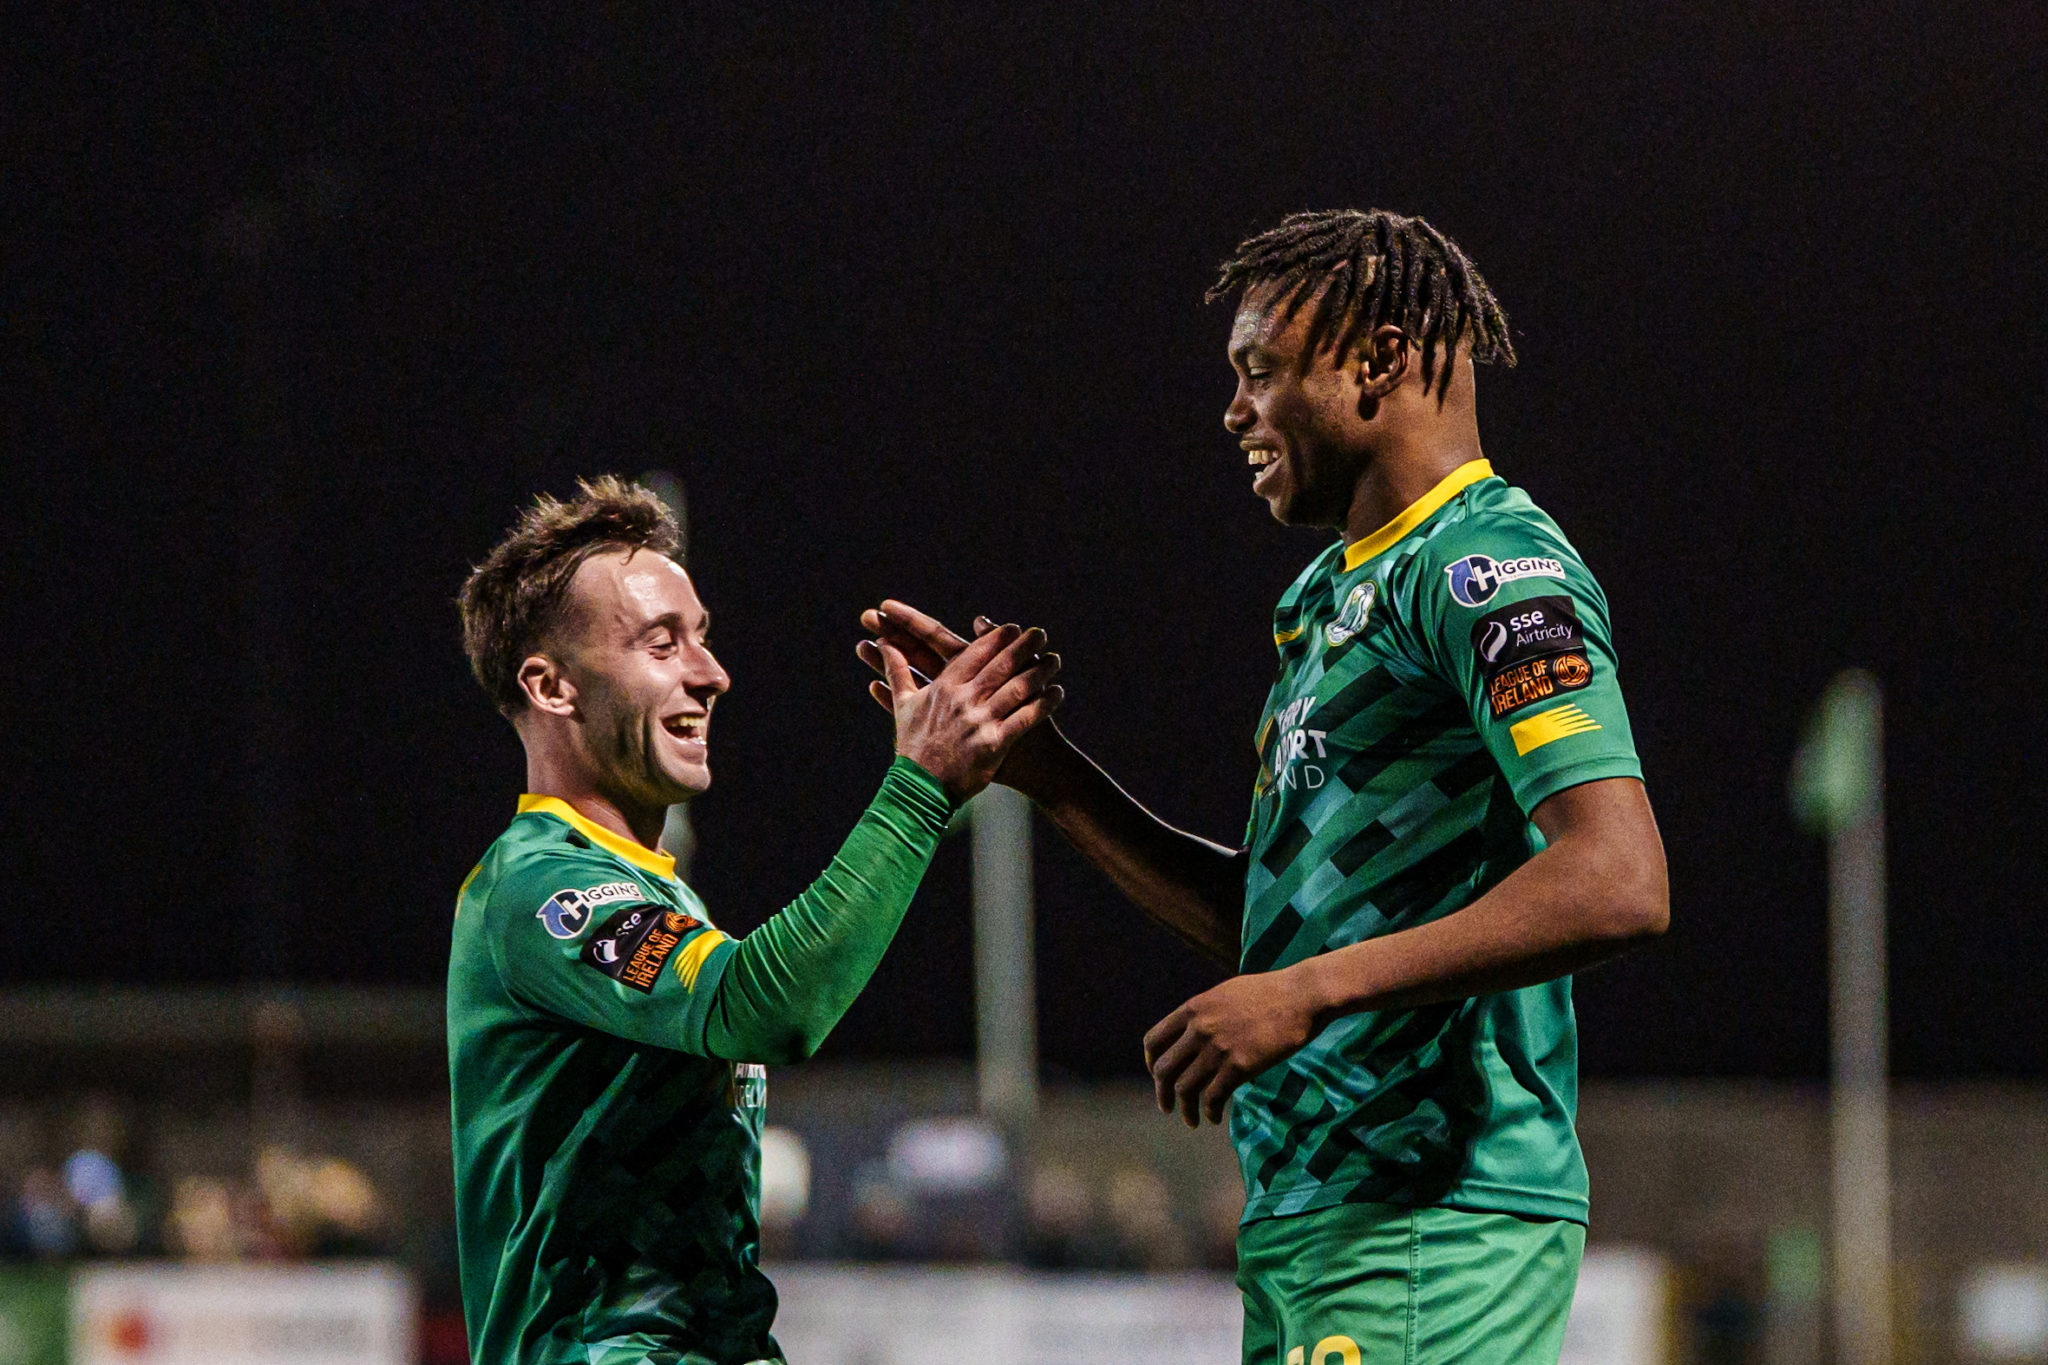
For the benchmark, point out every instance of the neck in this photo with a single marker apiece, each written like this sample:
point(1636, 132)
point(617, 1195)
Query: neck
point(637, 821)
point(1409, 467)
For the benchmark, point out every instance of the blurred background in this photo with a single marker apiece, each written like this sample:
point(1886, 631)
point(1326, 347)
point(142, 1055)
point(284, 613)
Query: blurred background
point(300, 307)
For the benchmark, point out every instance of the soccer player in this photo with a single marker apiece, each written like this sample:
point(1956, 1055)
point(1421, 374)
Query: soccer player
point(1448, 820)
point(606, 1042)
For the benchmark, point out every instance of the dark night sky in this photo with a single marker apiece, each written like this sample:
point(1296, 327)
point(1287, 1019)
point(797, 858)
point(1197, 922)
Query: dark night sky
point(912, 304)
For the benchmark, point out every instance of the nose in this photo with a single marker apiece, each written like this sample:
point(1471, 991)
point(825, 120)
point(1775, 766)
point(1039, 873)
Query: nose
point(707, 676)
point(1238, 417)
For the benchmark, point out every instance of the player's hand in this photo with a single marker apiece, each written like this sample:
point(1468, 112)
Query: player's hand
point(1206, 1049)
point(961, 724)
point(929, 645)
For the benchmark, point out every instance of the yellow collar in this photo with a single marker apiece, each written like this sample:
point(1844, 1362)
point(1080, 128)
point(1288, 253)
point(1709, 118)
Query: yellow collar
point(1417, 512)
point(653, 860)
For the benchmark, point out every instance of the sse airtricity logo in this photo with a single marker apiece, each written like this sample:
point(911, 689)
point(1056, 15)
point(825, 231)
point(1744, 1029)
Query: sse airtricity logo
point(1476, 578)
point(1492, 641)
point(566, 913)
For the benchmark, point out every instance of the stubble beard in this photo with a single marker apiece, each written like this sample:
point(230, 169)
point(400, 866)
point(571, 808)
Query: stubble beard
point(633, 765)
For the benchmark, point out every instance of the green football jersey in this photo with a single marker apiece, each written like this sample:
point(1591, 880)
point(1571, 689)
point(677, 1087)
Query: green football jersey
point(607, 1169)
point(1438, 680)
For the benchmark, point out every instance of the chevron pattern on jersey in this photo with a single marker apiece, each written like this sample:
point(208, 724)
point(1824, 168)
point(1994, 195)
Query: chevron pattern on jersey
point(666, 1204)
point(1389, 829)
point(1388, 796)
point(1377, 809)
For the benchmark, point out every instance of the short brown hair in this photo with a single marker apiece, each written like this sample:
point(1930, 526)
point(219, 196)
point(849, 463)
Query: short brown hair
point(514, 598)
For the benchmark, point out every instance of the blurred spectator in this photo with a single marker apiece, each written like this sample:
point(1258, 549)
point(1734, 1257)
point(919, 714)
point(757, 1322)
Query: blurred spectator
point(99, 1190)
point(348, 1216)
point(882, 1227)
point(203, 1226)
point(45, 1218)
point(954, 1173)
point(1141, 1223)
point(323, 1207)
point(294, 1208)
point(1060, 1230)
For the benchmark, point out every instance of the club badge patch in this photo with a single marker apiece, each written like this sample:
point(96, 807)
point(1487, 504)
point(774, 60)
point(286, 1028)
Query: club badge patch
point(1351, 620)
point(632, 945)
point(567, 913)
point(1530, 652)
point(1476, 578)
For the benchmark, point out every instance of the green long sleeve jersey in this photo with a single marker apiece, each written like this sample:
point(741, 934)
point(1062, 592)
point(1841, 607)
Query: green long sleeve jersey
point(606, 1045)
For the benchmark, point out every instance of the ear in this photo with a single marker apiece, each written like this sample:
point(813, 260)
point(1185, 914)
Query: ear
point(1383, 358)
point(547, 689)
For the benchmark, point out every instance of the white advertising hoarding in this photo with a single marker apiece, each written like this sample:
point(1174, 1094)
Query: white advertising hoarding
point(1618, 1315)
point(856, 1315)
point(830, 1315)
point(242, 1315)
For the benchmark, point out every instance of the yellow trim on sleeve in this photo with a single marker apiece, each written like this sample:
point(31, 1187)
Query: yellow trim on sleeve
point(1559, 722)
point(690, 960)
point(1417, 512)
point(639, 855)
point(1282, 637)
point(463, 890)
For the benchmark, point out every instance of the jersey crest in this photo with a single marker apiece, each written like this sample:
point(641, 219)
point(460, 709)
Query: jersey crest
point(1351, 620)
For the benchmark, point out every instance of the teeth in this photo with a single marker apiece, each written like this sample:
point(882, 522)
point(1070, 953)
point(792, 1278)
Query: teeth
point(1261, 457)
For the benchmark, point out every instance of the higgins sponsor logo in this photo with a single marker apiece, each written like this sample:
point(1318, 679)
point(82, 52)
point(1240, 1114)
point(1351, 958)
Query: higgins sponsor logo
point(567, 913)
point(1476, 578)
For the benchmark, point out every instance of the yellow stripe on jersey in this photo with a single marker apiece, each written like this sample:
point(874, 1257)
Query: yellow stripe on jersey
point(1282, 637)
point(1417, 512)
point(1559, 722)
point(639, 855)
point(464, 889)
point(690, 960)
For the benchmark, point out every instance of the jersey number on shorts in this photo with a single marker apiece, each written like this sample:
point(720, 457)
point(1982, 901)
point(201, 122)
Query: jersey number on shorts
point(1343, 1350)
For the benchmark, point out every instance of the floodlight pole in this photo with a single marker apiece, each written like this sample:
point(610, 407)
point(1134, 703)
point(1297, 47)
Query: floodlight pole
point(1005, 987)
point(257, 235)
point(1846, 766)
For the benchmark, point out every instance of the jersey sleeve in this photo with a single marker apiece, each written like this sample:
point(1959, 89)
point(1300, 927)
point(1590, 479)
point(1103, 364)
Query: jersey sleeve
point(576, 938)
point(1511, 620)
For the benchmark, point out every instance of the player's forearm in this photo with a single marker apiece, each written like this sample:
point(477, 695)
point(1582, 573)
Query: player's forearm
point(1569, 907)
point(792, 979)
point(1182, 881)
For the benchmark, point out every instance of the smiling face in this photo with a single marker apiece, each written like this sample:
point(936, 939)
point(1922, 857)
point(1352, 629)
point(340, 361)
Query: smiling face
point(632, 647)
point(1301, 416)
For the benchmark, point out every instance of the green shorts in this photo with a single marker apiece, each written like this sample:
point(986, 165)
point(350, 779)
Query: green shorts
point(1381, 1284)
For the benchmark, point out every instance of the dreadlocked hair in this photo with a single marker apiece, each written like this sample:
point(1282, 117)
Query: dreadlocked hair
point(514, 599)
point(1371, 269)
